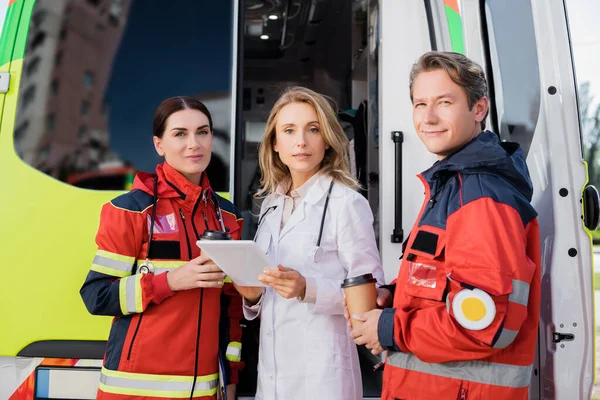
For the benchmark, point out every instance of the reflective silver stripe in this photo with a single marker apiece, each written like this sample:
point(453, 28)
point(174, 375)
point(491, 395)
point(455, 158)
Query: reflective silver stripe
point(234, 351)
point(158, 271)
point(160, 267)
point(520, 292)
point(506, 337)
point(114, 264)
point(144, 384)
point(478, 371)
point(130, 294)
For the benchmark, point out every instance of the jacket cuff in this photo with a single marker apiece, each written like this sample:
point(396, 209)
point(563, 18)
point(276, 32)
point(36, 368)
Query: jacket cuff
point(391, 287)
point(385, 330)
point(160, 287)
point(310, 294)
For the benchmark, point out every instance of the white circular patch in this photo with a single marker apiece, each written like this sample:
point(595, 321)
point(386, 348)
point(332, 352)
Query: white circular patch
point(473, 309)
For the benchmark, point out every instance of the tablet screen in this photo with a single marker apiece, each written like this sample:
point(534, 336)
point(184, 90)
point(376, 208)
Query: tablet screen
point(242, 260)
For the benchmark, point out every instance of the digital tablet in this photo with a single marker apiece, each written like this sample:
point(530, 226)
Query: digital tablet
point(242, 260)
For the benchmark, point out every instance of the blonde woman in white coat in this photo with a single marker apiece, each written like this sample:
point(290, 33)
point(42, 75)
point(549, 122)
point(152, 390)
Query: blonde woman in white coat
point(305, 351)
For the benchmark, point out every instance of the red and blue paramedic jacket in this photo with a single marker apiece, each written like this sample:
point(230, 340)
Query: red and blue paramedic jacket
point(467, 297)
point(162, 342)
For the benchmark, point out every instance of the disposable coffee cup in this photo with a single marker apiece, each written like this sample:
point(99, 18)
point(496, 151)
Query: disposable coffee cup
point(361, 295)
point(215, 235)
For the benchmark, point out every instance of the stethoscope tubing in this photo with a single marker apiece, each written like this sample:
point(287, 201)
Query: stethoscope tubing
point(317, 252)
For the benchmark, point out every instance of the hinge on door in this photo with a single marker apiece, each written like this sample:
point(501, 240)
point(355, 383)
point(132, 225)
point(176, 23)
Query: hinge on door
point(558, 337)
point(4, 82)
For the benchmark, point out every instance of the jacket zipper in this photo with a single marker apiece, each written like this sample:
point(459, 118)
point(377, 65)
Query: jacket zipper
point(201, 297)
point(462, 395)
point(187, 238)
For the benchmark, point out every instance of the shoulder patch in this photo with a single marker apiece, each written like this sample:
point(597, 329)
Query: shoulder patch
point(474, 309)
point(135, 201)
point(228, 206)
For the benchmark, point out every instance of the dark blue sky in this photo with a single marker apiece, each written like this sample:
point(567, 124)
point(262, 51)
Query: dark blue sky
point(178, 47)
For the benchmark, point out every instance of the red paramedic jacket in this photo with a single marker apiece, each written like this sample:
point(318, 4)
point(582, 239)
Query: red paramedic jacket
point(467, 297)
point(162, 343)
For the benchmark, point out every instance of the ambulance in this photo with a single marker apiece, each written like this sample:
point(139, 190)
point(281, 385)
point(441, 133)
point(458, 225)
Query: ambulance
point(80, 79)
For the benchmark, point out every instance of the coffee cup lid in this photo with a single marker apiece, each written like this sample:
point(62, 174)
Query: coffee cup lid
point(358, 280)
point(215, 235)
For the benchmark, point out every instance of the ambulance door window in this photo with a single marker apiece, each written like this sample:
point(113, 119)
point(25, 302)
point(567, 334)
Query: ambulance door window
point(513, 78)
point(105, 66)
point(585, 44)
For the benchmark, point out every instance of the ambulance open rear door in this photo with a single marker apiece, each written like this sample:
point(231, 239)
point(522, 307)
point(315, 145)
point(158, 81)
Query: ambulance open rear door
point(524, 47)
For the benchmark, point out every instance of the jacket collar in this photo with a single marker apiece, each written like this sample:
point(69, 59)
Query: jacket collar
point(171, 184)
point(274, 213)
point(318, 190)
point(483, 154)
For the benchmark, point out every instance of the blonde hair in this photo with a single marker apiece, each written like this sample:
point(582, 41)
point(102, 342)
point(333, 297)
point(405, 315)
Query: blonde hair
point(335, 162)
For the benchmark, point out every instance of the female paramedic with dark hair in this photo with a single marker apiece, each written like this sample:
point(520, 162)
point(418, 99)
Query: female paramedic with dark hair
point(176, 330)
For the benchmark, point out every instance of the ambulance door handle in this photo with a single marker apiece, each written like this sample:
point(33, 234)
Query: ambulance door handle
point(397, 234)
point(558, 337)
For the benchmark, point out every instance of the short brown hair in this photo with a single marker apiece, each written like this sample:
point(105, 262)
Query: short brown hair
point(335, 163)
point(463, 71)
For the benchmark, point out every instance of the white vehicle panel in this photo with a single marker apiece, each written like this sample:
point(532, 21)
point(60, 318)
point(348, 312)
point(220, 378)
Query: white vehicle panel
point(404, 38)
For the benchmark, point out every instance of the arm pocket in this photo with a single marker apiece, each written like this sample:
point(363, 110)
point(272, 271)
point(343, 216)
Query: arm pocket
point(478, 301)
point(426, 275)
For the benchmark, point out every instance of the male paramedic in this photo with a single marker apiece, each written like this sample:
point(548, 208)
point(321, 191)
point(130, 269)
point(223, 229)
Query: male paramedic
point(466, 302)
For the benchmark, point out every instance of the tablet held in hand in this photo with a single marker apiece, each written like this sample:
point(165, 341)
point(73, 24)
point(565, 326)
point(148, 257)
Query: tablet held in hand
point(242, 260)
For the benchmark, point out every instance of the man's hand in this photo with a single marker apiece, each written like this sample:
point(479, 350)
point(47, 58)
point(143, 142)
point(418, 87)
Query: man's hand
point(366, 333)
point(288, 282)
point(201, 272)
point(384, 300)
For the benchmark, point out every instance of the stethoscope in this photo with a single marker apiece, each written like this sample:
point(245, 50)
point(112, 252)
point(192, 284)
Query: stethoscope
point(146, 266)
point(316, 252)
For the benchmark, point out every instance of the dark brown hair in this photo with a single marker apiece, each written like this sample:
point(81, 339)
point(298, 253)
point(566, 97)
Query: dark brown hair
point(463, 71)
point(172, 105)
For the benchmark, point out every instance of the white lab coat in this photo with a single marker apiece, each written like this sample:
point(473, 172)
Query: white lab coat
point(305, 350)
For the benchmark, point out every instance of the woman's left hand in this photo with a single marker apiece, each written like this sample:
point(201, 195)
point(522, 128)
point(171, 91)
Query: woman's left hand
point(288, 282)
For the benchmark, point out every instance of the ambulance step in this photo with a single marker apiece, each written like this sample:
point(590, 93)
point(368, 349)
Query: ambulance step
point(60, 383)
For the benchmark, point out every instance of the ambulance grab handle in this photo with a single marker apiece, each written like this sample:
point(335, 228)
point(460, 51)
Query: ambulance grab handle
point(398, 234)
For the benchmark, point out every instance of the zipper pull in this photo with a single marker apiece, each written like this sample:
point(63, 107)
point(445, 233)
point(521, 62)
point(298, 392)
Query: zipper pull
point(204, 198)
point(182, 216)
point(432, 203)
point(462, 394)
